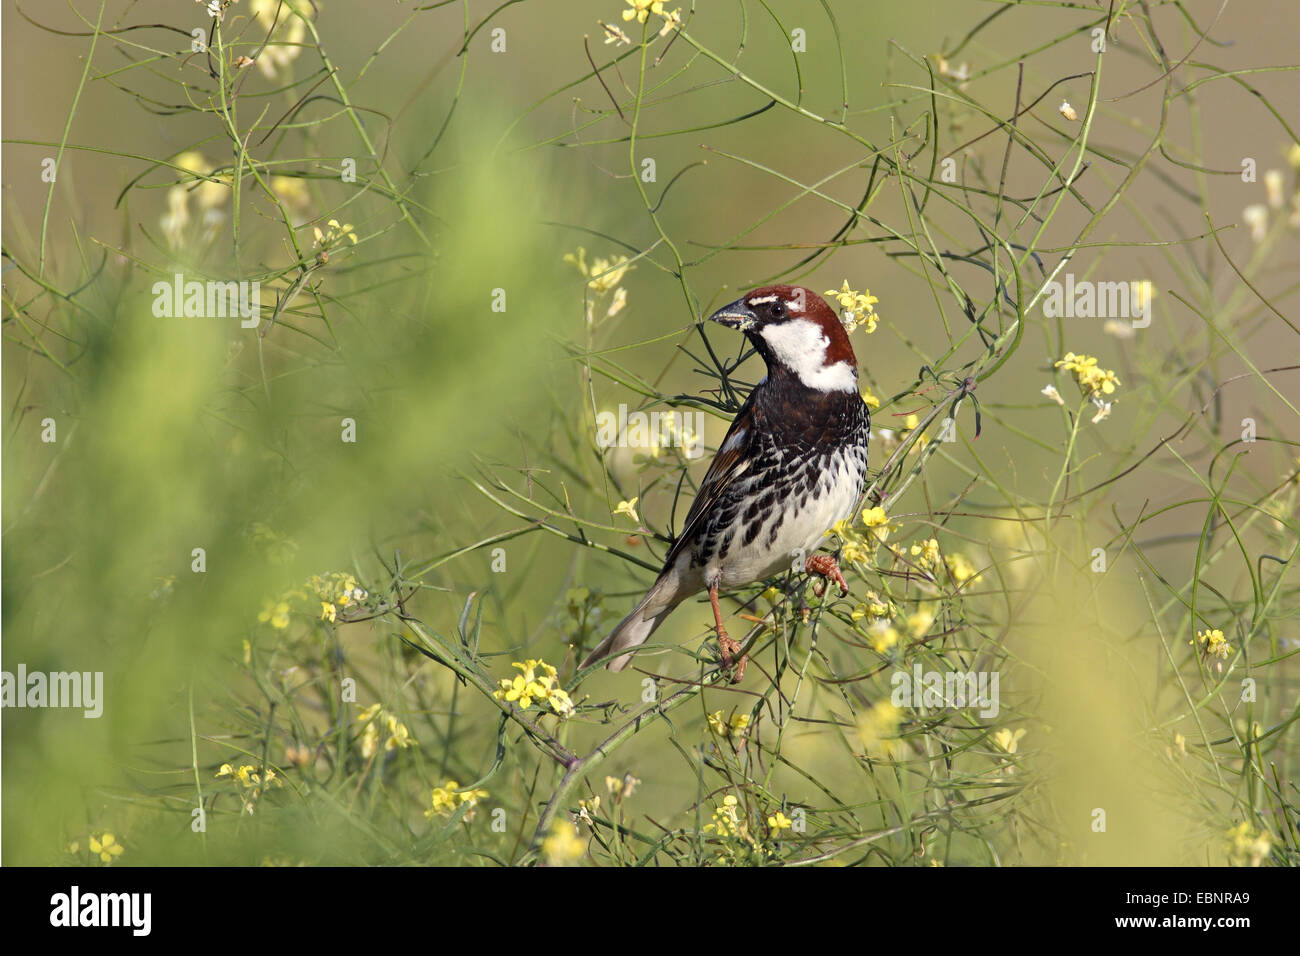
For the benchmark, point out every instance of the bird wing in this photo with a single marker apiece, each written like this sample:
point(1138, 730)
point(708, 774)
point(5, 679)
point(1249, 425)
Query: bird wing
point(732, 461)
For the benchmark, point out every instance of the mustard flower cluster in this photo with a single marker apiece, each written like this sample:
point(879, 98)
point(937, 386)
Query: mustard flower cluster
point(377, 723)
point(449, 798)
point(528, 686)
point(856, 308)
point(604, 280)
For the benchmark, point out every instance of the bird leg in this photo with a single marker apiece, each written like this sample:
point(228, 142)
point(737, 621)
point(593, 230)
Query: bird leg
point(826, 567)
point(727, 648)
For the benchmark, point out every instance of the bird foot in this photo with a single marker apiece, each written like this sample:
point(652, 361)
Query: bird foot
point(826, 567)
point(729, 651)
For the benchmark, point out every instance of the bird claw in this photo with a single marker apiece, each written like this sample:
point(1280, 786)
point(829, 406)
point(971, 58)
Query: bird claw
point(728, 650)
point(828, 569)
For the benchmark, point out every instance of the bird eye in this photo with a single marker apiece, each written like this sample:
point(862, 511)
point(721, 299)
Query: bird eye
point(778, 308)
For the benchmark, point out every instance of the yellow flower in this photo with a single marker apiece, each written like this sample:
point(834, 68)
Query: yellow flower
point(882, 636)
point(291, 190)
point(106, 847)
point(856, 308)
point(335, 590)
point(560, 702)
point(1094, 380)
point(734, 727)
point(869, 398)
point(726, 818)
point(603, 275)
point(961, 569)
point(874, 517)
point(585, 810)
point(779, 822)
point(628, 508)
point(277, 613)
point(333, 235)
point(1008, 741)
point(877, 522)
point(562, 845)
point(398, 735)
point(370, 720)
point(210, 193)
point(448, 798)
point(926, 552)
point(878, 729)
point(526, 687)
point(640, 9)
point(1143, 292)
point(853, 547)
point(1246, 845)
point(246, 775)
point(287, 35)
point(873, 606)
point(919, 621)
point(1216, 645)
point(854, 551)
point(516, 691)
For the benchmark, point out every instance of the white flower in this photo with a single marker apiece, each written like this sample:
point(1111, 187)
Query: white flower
point(1257, 218)
point(614, 34)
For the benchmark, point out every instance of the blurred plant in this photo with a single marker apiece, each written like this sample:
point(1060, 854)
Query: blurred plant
point(961, 562)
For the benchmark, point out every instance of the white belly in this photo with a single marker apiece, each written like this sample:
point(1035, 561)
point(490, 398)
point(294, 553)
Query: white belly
point(801, 531)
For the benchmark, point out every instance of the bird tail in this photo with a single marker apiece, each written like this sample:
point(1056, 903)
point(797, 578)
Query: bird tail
point(635, 629)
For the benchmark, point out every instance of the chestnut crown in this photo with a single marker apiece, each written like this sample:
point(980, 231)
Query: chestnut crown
point(796, 332)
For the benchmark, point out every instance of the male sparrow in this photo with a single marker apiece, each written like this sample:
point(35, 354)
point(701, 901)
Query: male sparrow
point(793, 463)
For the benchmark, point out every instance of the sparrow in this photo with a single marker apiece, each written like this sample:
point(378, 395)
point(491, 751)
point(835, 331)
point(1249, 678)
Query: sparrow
point(793, 463)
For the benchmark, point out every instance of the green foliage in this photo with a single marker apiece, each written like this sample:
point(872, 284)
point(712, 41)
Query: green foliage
point(411, 532)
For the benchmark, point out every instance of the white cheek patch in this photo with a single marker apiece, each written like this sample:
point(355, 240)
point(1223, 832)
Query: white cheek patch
point(801, 346)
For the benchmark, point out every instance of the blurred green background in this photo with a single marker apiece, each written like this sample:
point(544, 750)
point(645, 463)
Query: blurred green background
point(478, 169)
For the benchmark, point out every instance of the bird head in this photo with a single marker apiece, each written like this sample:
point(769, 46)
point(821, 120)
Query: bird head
point(797, 334)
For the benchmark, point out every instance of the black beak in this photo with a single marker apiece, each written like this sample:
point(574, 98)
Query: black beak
point(737, 315)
